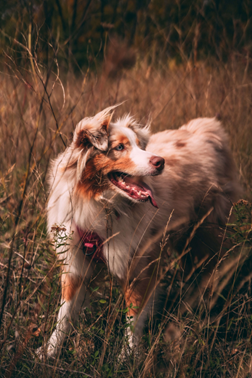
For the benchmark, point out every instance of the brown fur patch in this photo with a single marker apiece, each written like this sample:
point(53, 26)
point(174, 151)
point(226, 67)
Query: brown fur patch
point(120, 139)
point(70, 285)
point(180, 144)
point(138, 142)
point(123, 139)
point(132, 299)
point(83, 140)
point(94, 178)
point(171, 161)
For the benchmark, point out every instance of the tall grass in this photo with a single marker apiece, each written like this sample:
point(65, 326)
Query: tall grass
point(39, 110)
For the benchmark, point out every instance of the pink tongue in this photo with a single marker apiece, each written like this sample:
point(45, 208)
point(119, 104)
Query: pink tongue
point(152, 200)
point(144, 188)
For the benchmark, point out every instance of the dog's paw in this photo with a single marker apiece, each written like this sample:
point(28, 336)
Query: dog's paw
point(125, 353)
point(130, 349)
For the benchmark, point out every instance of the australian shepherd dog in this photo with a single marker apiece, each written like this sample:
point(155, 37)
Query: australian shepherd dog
point(116, 190)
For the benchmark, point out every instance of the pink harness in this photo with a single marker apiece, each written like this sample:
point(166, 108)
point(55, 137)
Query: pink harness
point(92, 245)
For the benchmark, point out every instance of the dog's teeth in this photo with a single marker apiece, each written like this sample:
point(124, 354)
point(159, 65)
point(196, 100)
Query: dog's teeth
point(139, 193)
point(127, 187)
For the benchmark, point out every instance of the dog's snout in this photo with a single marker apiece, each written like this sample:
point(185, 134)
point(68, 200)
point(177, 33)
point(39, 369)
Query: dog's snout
point(157, 162)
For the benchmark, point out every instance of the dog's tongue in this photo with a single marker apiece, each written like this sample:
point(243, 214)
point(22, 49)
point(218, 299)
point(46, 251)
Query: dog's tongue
point(143, 187)
point(151, 198)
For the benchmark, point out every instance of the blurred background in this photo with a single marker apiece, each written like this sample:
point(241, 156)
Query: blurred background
point(78, 31)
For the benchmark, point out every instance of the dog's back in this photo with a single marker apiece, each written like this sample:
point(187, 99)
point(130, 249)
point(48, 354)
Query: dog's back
point(199, 167)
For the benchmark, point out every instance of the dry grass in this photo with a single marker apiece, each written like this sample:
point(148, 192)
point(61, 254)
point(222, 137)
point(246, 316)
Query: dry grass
point(38, 115)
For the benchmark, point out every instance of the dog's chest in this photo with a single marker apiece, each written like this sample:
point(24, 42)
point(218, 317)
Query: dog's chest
point(122, 233)
point(125, 236)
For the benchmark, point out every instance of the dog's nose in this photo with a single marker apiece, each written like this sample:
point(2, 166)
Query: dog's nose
point(157, 162)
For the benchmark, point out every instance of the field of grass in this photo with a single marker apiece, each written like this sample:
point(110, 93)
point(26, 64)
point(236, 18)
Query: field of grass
point(38, 112)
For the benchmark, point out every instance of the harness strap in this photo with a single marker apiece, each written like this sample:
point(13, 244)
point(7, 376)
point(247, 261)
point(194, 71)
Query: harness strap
point(92, 245)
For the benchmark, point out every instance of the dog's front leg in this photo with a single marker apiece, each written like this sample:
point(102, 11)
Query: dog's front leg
point(73, 295)
point(140, 300)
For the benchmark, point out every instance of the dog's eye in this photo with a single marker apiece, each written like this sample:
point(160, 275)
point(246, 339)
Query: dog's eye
point(120, 147)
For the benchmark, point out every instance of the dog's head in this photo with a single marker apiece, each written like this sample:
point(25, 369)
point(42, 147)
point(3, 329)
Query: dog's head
point(111, 156)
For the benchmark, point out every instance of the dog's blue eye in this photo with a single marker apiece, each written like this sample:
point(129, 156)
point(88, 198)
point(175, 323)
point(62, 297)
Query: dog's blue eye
point(120, 147)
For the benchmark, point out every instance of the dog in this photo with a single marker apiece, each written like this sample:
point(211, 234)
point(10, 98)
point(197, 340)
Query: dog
point(116, 190)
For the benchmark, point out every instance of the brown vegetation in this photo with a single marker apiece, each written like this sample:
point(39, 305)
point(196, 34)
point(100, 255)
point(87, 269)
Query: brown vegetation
point(38, 113)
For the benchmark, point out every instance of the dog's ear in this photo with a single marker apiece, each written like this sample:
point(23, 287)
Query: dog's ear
point(94, 131)
point(143, 132)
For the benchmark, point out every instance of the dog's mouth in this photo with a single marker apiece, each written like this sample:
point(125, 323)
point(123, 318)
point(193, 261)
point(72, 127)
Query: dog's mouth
point(137, 190)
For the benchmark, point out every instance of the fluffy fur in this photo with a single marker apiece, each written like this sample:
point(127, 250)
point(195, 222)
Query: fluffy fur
point(88, 190)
